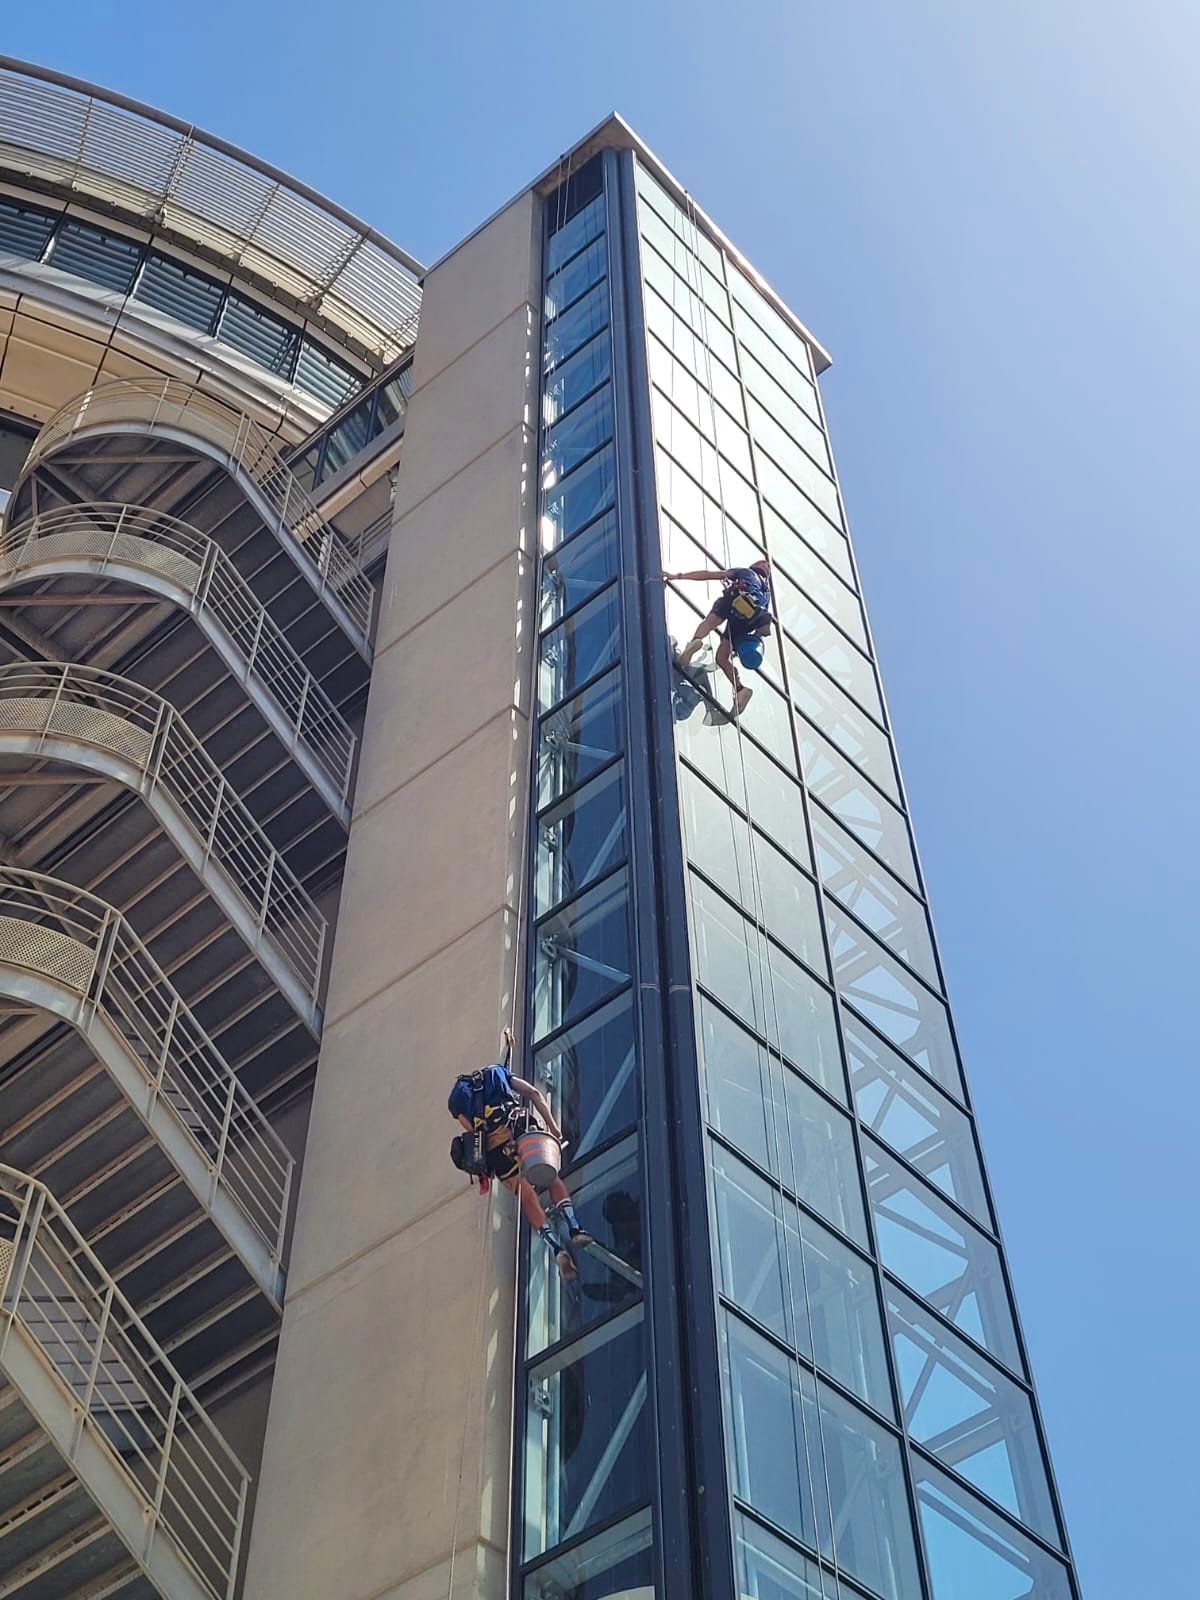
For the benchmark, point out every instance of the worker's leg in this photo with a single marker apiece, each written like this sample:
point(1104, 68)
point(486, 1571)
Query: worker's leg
point(540, 1223)
point(710, 624)
point(725, 660)
point(560, 1199)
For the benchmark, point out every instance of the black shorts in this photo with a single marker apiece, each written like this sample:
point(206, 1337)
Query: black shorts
point(739, 628)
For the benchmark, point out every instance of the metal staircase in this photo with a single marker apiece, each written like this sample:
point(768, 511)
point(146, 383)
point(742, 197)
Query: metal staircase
point(113, 1479)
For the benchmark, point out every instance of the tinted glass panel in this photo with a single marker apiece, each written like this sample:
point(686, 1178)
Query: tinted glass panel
point(893, 1001)
point(968, 1414)
point(857, 804)
point(794, 408)
point(582, 955)
point(940, 1256)
point(591, 1071)
point(826, 645)
point(615, 1565)
point(578, 499)
point(802, 515)
point(701, 408)
point(577, 436)
point(714, 473)
point(854, 733)
point(891, 911)
point(259, 335)
point(326, 378)
point(769, 1569)
point(578, 274)
point(24, 231)
point(799, 466)
point(576, 378)
point(587, 1434)
point(576, 326)
point(108, 259)
point(686, 304)
point(580, 838)
point(900, 1106)
point(757, 981)
point(973, 1551)
point(777, 328)
point(681, 496)
point(774, 798)
point(578, 569)
point(579, 737)
point(580, 230)
point(815, 578)
point(577, 648)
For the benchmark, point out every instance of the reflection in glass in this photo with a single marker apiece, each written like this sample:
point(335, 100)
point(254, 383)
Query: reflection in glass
point(577, 499)
point(573, 235)
point(580, 839)
point(939, 1255)
point(891, 911)
point(781, 334)
point(770, 795)
point(969, 1415)
point(837, 716)
point(796, 1446)
point(713, 472)
point(749, 869)
point(579, 737)
point(686, 304)
point(756, 981)
point(892, 1000)
point(616, 1565)
point(781, 404)
point(565, 286)
point(769, 1569)
point(900, 1106)
point(578, 569)
point(580, 432)
point(972, 1551)
point(608, 1202)
point(570, 383)
point(828, 646)
point(798, 465)
point(816, 580)
point(590, 1072)
point(700, 515)
point(855, 802)
point(691, 396)
point(579, 648)
point(800, 513)
point(586, 1434)
point(575, 326)
point(582, 955)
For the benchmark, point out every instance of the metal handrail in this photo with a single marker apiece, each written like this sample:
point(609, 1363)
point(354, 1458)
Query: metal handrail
point(120, 1384)
point(166, 548)
point(244, 446)
point(85, 946)
point(160, 172)
point(82, 705)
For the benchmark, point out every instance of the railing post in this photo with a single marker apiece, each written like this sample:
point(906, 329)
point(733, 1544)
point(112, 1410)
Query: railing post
point(105, 945)
point(223, 1141)
point(204, 582)
point(159, 738)
point(162, 395)
point(268, 883)
point(253, 655)
point(216, 817)
point(23, 1243)
point(116, 534)
point(161, 1484)
point(90, 1390)
point(168, 1039)
point(300, 710)
point(62, 682)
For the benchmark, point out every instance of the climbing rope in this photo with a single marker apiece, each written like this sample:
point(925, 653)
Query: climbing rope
point(766, 967)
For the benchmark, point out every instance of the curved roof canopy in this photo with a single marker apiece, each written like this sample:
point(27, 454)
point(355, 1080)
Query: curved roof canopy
point(86, 143)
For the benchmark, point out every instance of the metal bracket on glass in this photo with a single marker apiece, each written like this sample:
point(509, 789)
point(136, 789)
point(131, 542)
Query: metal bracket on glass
point(540, 1397)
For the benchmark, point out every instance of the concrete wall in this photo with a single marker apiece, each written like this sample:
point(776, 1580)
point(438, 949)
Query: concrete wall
point(394, 1376)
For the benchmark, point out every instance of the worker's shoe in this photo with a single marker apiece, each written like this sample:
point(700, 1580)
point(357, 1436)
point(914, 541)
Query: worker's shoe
point(566, 1266)
point(580, 1238)
point(742, 699)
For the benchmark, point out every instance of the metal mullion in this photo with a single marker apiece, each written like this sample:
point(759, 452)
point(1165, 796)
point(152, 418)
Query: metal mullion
point(545, 1040)
point(758, 922)
point(901, 961)
point(917, 894)
point(1025, 1384)
point(973, 1489)
point(577, 1335)
point(824, 671)
point(809, 1552)
point(807, 871)
point(587, 683)
point(594, 1530)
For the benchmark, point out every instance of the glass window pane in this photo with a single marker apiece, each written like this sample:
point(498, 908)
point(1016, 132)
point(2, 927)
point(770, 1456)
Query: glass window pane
point(580, 839)
point(681, 552)
point(565, 286)
point(577, 649)
point(590, 1073)
point(580, 432)
point(24, 230)
point(823, 1302)
point(257, 334)
point(818, 582)
point(578, 499)
point(587, 1437)
point(686, 304)
point(582, 955)
point(827, 645)
point(700, 515)
point(758, 982)
point(608, 1202)
point(657, 236)
point(790, 1438)
point(576, 325)
point(939, 1255)
point(774, 325)
point(351, 435)
point(786, 406)
point(652, 194)
point(769, 1569)
point(900, 1106)
point(573, 235)
point(775, 800)
point(616, 1565)
point(579, 737)
point(765, 350)
point(326, 377)
point(713, 472)
point(892, 913)
point(802, 515)
point(973, 1551)
point(572, 572)
point(969, 1415)
point(578, 376)
point(688, 347)
point(892, 1000)
point(799, 466)
point(851, 730)
point(857, 804)
point(692, 397)
point(751, 870)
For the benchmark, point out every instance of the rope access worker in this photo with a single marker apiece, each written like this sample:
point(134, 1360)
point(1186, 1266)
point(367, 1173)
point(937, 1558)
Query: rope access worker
point(494, 1107)
point(743, 611)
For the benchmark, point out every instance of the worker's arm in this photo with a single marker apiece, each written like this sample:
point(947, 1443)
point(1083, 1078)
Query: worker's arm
point(531, 1092)
point(715, 575)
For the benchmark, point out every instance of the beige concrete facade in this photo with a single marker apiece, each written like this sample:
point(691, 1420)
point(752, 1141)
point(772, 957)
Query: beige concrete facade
point(387, 1451)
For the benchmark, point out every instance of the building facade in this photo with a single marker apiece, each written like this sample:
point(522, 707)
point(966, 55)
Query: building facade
point(339, 729)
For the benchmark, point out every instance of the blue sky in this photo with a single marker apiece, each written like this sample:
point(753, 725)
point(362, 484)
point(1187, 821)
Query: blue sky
point(988, 214)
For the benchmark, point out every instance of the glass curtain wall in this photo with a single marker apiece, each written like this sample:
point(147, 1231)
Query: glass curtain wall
point(583, 1488)
point(881, 1432)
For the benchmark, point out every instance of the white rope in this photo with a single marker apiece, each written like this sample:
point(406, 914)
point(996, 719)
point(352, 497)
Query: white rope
point(762, 944)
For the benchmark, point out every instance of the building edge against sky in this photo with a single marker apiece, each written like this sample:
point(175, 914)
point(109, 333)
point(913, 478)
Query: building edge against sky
point(793, 1367)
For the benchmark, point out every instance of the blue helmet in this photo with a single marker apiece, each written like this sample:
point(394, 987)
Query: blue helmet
point(750, 653)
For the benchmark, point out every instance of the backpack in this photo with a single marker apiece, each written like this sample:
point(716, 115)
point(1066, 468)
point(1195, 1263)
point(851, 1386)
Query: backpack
point(474, 1092)
point(751, 596)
